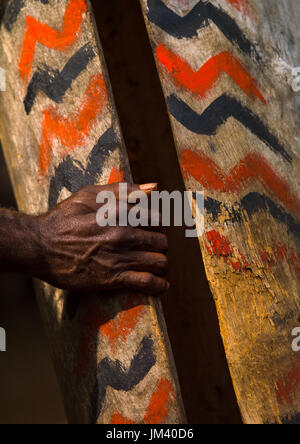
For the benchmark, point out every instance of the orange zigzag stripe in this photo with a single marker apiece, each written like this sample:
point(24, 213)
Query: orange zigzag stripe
point(71, 131)
point(116, 175)
point(208, 173)
point(158, 408)
point(202, 81)
point(49, 37)
point(118, 328)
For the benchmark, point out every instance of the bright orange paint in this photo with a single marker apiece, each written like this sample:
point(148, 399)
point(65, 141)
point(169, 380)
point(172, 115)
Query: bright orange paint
point(159, 405)
point(203, 80)
point(158, 408)
point(220, 245)
point(38, 32)
point(72, 130)
point(253, 166)
point(125, 322)
point(117, 418)
point(96, 322)
point(116, 175)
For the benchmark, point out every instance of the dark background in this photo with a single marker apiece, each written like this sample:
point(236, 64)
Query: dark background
point(28, 388)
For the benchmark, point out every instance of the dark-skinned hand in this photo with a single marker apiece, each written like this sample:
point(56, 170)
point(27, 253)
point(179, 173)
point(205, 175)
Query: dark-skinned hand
point(69, 250)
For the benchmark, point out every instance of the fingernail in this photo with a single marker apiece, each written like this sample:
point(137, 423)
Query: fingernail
point(148, 187)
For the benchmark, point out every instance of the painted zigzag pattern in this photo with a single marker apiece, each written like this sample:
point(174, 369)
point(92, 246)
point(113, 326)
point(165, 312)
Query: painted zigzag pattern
point(12, 11)
point(112, 374)
point(203, 80)
point(252, 167)
point(73, 176)
point(55, 83)
point(71, 130)
point(209, 174)
point(202, 168)
point(158, 407)
point(37, 32)
point(187, 27)
point(114, 328)
point(250, 205)
point(217, 114)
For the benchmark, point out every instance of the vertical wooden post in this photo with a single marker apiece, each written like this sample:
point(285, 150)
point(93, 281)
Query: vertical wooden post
point(224, 67)
point(60, 132)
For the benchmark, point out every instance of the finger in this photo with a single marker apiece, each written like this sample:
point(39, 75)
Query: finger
point(144, 282)
point(155, 263)
point(142, 218)
point(113, 195)
point(115, 188)
point(144, 240)
point(94, 195)
point(137, 239)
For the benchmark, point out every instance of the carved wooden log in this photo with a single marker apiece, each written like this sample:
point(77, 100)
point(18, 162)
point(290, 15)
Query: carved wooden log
point(225, 67)
point(60, 132)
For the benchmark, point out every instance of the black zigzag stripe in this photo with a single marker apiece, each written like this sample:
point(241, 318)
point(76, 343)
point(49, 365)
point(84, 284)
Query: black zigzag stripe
point(217, 114)
point(13, 10)
point(2, 11)
point(188, 26)
point(291, 420)
point(112, 374)
point(72, 175)
point(252, 204)
point(55, 83)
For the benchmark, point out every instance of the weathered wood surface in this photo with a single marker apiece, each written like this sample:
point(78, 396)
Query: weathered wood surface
point(60, 131)
point(225, 68)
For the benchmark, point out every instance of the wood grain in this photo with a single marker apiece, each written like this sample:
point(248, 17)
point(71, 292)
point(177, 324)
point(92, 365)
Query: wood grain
point(229, 142)
point(60, 131)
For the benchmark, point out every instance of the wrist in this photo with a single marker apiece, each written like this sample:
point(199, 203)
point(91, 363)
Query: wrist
point(20, 249)
point(31, 260)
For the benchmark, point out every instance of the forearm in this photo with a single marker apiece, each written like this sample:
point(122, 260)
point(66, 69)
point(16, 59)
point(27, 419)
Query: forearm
point(19, 240)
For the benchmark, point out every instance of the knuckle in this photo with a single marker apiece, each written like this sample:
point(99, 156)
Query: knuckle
point(130, 237)
point(113, 264)
point(123, 236)
point(147, 280)
point(122, 278)
point(78, 198)
point(117, 189)
point(159, 242)
point(116, 235)
point(139, 239)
